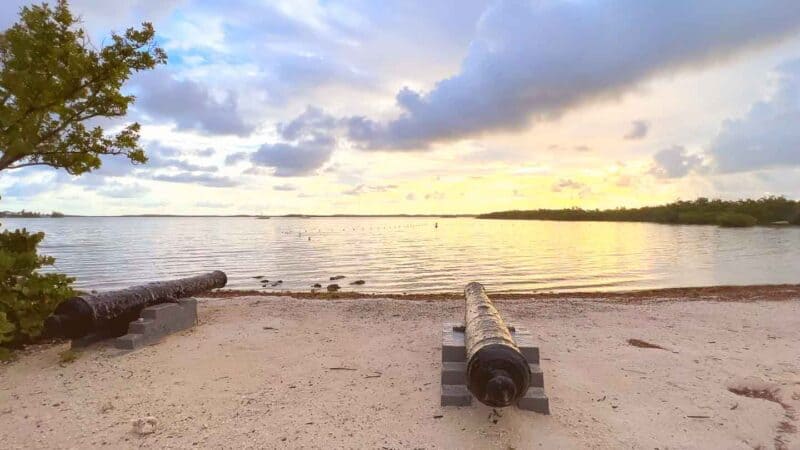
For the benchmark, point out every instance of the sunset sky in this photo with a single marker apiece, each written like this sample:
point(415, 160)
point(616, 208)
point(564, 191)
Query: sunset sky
point(375, 107)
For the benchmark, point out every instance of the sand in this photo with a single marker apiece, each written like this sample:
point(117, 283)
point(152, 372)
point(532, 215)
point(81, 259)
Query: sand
point(261, 372)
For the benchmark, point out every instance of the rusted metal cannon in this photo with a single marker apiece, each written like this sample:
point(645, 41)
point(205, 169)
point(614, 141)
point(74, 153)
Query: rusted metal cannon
point(110, 312)
point(497, 373)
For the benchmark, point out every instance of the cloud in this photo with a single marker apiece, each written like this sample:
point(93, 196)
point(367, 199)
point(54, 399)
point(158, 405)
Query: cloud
point(436, 195)
point(284, 187)
point(122, 190)
point(161, 157)
point(675, 162)
point(292, 160)
point(207, 204)
point(768, 135)
point(200, 179)
point(27, 189)
point(235, 158)
point(313, 142)
point(567, 184)
point(410, 196)
point(312, 121)
point(206, 152)
point(190, 105)
point(639, 129)
point(363, 189)
point(532, 61)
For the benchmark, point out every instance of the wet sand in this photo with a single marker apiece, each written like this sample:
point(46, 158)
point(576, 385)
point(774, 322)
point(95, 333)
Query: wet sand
point(282, 372)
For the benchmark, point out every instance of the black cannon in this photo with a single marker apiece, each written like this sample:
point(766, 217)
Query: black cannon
point(110, 312)
point(497, 373)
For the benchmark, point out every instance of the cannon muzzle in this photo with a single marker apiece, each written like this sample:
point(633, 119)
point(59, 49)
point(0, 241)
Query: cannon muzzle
point(497, 373)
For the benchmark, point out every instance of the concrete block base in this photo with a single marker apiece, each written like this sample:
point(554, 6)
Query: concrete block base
point(454, 370)
point(158, 321)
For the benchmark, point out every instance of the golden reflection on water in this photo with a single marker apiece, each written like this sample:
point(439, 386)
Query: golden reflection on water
point(412, 255)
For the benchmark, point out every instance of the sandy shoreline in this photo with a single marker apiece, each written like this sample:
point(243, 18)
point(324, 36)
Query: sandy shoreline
point(256, 373)
point(765, 292)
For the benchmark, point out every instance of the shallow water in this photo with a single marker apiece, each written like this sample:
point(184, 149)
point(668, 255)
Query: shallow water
point(411, 255)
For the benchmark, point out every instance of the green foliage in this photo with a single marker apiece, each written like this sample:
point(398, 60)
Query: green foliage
point(52, 81)
point(27, 297)
point(733, 219)
point(702, 211)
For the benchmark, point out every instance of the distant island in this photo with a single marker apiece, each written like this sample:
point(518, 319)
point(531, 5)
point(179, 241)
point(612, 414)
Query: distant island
point(702, 211)
point(30, 214)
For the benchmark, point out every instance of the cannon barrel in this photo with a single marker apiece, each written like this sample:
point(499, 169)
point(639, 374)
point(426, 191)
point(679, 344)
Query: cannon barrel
point(111, 311)
point(497, 373)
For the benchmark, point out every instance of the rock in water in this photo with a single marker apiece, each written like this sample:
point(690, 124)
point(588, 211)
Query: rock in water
point(145, 425)
point(358, 282)
point(333, 287)
point(337, 277)
point(316, 285)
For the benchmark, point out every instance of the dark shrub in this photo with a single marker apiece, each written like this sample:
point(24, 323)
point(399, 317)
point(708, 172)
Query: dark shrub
point(732, 219)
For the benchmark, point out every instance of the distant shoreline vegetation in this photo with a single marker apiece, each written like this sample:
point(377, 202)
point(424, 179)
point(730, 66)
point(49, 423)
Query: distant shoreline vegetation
point(30, 214)
point(702, 211)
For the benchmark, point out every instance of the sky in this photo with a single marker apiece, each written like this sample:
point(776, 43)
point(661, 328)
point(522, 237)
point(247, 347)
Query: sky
point(462, 106)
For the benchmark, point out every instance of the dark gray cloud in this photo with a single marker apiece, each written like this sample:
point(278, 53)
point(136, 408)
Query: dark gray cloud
point(768, 135)
point(190, 105)
point(313, 120)
point(202, 179)
point(297, 159)
point(639, 129)
point(532, 61)
point(675, 162)
point(312, 141)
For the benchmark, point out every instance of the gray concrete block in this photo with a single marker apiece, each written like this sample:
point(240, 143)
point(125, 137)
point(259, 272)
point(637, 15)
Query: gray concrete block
point(454, 368)
point(453, 343)
point(535, 400)
point(158, 321)
point(454, 372)
point(456, 395)
point(530, 353)
point(537, 376)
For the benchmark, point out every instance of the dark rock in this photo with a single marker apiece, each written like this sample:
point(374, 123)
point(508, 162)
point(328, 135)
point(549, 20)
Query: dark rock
point(337, 277)
point(333, 287)
point(317, 285)
point(258, 277)
point(358, 282)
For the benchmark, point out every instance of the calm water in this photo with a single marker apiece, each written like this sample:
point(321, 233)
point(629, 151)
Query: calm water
point(410, 255)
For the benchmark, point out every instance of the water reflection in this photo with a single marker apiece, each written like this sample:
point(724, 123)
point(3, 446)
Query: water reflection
point(411, 255)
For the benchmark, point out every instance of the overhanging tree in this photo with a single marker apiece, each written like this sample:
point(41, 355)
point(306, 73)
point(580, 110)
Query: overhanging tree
point(53, 83)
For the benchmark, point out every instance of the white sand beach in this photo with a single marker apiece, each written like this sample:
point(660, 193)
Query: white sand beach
point(261, 372)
